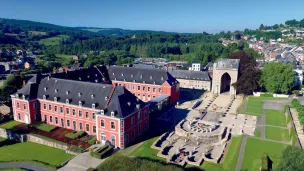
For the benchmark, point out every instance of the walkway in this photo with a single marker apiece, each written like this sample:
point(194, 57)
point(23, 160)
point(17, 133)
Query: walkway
point(81, 162)
point(23, 165)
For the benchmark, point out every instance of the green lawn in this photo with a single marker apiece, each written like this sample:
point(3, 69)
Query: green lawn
point(53, 40)
point(145, 151)
point(9, 125)
point(43, 126)
point(257, 133)
point(254, 105)
point(278, 134)
point(275, 117)
point(254, 150)
point(29, 151)
point(64, 59)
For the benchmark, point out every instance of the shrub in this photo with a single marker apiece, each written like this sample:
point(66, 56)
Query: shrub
point(266, 95)
point(75, 149)
point(92, 141)
point(75, 135)
point(43, 126)
point(90, 169)
point(102, 152)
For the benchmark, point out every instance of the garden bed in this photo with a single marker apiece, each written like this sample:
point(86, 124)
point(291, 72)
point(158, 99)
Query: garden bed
point(43, 126)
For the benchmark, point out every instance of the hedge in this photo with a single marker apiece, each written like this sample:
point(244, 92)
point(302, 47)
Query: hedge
point(43, 126)
point(90, 169)
point(264, 162)
point(102, 152)
point(75, 149)
point(266, 95)
point(92, 141)
point(75, 135)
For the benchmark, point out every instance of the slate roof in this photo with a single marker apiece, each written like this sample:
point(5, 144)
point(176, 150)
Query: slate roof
point(106, 97)
point(143, 66)
point(94, 74)
point(226, 64)
point(190, 75)
point(141, 75)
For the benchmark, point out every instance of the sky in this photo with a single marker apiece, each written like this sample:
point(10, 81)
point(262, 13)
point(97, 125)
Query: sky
point(187, 16)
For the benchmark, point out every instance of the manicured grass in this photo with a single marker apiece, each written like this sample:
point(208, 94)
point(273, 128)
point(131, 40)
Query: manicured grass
point(53, 40)
point(29, 151)
point(43, 126)
point(257, 133)
point(275, 117)
point(278, 134)
point(124, 163)
point(9, 125)
point(145, 151)
point(254, 150)
point(255, 104)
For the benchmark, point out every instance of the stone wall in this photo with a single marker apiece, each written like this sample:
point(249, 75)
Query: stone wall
point(217, 76)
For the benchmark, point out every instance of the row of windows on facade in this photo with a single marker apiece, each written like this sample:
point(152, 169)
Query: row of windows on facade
point(144, 97)
point(141, 76)
point(143, 88)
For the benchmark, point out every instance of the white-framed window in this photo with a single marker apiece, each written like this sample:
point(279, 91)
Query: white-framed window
point(50, 107)
point(73, 112)
point(61, 109)
point(93, 116)
point(18, 105)
point(68, 123)
point(67, 111)
point(87, 114)
point(154, 89)
point(55, 109)
point(159, 90)
point(93, 105)
point(112, 125)
point(102, 123)
point(138, 88)
point(132, 120)
point(80, 113)
point(56, 120)
point(94, 129)
point(87, 127)
point(80, 126)
point(19, 116)
point(51, 119)
point(44, 106)
point(24, 106)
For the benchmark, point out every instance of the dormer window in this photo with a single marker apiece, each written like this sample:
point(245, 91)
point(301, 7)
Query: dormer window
point(23, 97)
point(162, 78)
point(56, 90)
point(88, 76)
point(79, 94)
point(80, 78)
point(92, 96)
point(17, 95)
point(129, 103)
point(141, 76)
point(67, 92)
point(151, 77)
point(45, 88)
point(44, 97)
point(55, 99)
point(132, 75)
point(113, 73)
point(93, 105)
point(106, 98)
point(102, 112)
point(144, 82)
point(67, 101)
point(115, 79)
point(154, 82)
point(96, 75)
point(112, 114)
point(124, 79)
point(121, 74)
point(96, 81)
point(134, 81)
point(80, 103)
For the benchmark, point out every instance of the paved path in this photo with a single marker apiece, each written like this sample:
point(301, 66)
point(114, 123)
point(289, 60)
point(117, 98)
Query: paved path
point(283, 127)
point(23, 165)
point(245, 105)
point(241, 154)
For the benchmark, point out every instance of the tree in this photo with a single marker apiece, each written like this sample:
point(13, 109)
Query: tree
point(292, 160)
point(262, 27)
point(247, 69)
point(277, 78)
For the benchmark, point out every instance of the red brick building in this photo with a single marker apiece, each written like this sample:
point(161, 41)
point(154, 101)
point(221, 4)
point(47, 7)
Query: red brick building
point(110, 112)
point(146, 83)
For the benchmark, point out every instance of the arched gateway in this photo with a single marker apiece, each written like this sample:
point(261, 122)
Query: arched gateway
point(225, 73)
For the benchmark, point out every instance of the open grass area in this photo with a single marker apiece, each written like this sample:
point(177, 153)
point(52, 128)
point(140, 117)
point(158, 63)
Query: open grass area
point(33, 152)
point(43, 126)
point(64, 59)
point(145, 151)
point(255, 104)
point(254, 150)
point(37, 33)
point(278, 134)
point(9, 125)
point(257, 133)
point(53, 40)
point(275, 117)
